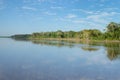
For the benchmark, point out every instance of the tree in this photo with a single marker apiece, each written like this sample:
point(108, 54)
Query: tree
point(59, 34)
point(112, 27)
point(113, 31)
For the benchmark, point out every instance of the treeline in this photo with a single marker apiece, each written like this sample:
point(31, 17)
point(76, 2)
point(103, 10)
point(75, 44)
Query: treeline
point(112, 32)
point(4, 36)
point(21, 36)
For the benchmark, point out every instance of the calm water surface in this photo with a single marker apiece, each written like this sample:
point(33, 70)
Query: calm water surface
point(58, 60)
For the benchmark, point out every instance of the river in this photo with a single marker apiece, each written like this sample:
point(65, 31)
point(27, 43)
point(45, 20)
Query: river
point(58, 60)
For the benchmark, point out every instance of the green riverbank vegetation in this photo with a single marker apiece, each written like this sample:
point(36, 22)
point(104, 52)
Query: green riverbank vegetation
point(112, 32)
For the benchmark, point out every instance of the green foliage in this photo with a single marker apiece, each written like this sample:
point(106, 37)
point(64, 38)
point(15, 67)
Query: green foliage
point(112, 33)
point(21, 36)
point(112, 27)
point(90, 34)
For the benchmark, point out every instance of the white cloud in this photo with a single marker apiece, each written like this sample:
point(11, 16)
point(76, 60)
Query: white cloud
point(111, 9)
point(41, 0)
point(102, 17)
point(103, 1)
point(84, 11)
point(56, 7)
point(71, 16)
point(79, 21)
point(87, 23)
point(94, 19)
point(26, 1)
point(49, 13)
point(51, 1)
point(28, 8)
point(98, 0)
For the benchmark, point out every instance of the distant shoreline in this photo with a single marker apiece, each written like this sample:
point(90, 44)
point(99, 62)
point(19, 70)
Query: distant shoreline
point(112, 34)
point(5, 37)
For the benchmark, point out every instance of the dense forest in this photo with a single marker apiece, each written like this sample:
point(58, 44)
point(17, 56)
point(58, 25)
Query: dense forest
point(112, 32)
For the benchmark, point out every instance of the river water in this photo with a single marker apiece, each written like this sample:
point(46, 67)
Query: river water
point(58, 60)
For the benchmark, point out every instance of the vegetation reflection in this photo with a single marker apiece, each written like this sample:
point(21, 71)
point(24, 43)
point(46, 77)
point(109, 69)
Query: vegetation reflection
point(113, 50)
point(89, 48)
point(53, 43)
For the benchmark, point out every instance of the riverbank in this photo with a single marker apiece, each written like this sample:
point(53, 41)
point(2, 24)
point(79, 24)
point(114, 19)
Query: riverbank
point(75, 40)
point(110, 35)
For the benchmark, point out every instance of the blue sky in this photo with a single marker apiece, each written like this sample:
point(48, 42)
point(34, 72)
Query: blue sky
point(27, 16)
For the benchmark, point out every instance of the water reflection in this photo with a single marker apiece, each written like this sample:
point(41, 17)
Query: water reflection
point(89, 48)
point(58, 60)
point(112, 49)
point(53, 43)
